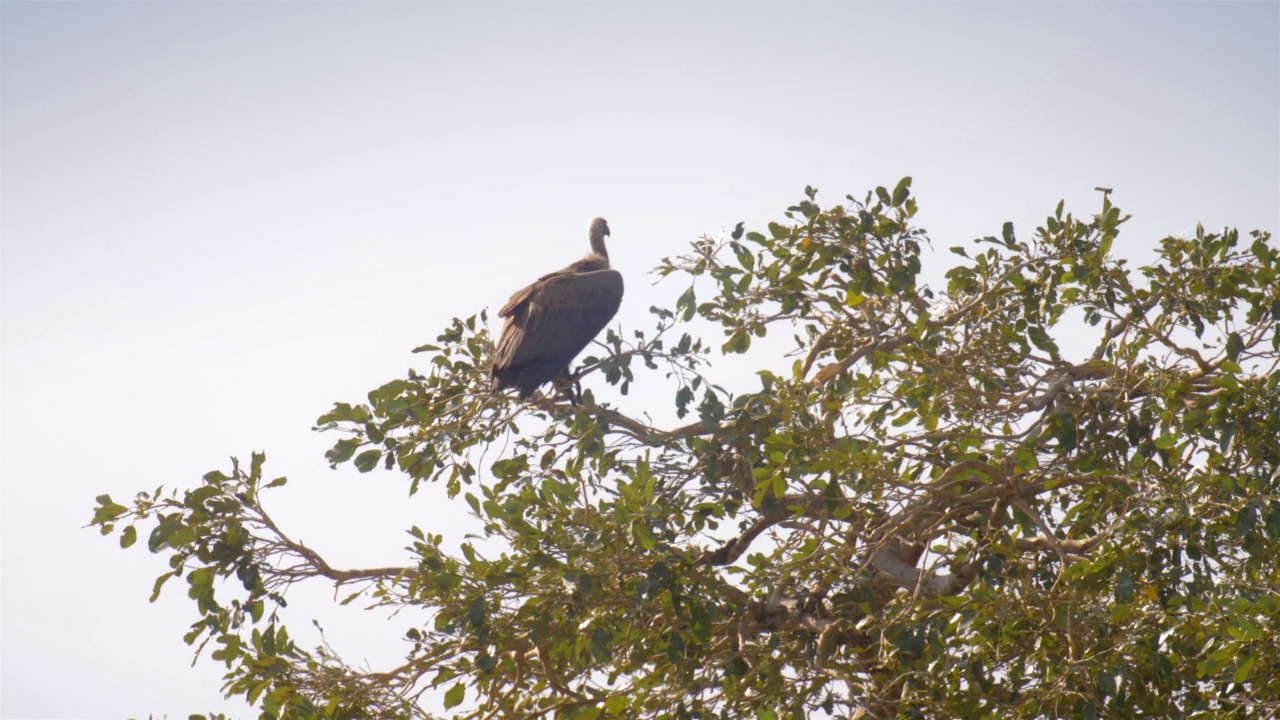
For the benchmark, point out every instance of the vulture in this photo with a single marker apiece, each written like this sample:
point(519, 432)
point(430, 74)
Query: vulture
point(549, 322)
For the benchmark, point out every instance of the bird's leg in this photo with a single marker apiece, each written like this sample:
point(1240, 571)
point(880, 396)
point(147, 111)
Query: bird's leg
point(568, 384)
point(573, 389)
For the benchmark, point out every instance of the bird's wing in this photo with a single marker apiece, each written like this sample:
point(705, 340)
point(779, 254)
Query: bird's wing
point(579, 267)
point(558, 316)
point(522, 295)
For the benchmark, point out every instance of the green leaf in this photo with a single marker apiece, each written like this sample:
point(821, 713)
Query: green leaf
point(738, 342)
point(684, 396)
point(475, 612)
point(181, 537)
point(340, 412)
point(510, 467)
point(902, 191)
point(128, 537)
point(1235, 346)
point(700, 622)
point(387, 391)
point(884, 195)
point(195, 498)
point(341, 452)
point(1042, 340)
point(1067, 433)
point(368, 460)
point(269, 641)
point(1225, 439)
point(1006, 232)
point(160, 581)
point(644, 534)
point(901, 282)
point(601, 639)
point(675, 647)
point(1245, 668)
point(686, 305)
point(453, 698)
point(108, 512)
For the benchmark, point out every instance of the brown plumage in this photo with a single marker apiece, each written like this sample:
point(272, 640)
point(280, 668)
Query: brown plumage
point(549, 322)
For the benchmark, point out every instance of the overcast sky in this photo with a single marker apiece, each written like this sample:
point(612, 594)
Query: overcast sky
point(220, 218)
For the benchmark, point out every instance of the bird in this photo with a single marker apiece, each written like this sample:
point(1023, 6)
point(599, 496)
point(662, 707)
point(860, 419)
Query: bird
point(549, 322)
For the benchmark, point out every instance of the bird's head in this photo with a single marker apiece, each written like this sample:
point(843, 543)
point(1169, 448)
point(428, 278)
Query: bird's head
point(598, 229)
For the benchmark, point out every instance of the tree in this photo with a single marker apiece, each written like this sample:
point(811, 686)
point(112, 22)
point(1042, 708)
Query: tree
point(1050, 488)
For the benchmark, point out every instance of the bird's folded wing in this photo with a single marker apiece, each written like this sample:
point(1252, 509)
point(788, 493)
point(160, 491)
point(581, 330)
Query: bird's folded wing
point(562, 314)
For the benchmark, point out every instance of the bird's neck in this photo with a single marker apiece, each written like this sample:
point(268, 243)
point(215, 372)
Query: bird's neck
point(598, 248)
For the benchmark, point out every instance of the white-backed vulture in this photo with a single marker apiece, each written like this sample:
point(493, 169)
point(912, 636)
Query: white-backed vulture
point(549, 322)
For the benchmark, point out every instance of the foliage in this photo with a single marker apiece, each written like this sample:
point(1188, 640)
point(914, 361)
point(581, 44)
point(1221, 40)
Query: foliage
point(1050, 488)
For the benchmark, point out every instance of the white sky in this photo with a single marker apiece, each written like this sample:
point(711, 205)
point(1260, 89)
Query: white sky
point(220, 218)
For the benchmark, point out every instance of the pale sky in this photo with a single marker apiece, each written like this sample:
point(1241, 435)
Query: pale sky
point(219, 218)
